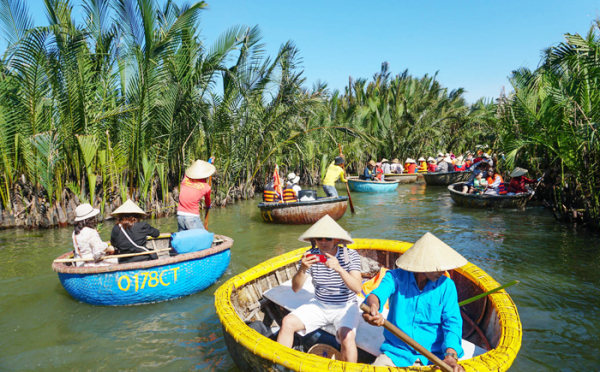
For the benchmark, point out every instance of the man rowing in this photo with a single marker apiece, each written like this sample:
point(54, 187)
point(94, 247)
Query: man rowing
point(334, 172)
point(423, 303)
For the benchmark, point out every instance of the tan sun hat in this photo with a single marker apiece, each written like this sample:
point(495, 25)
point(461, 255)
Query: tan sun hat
point(384, 160)
point(85, 211)
point(430, 159)
point(129, 207)
point(421, 159)
point(430, 254)
point(460, 161)
point(396, 161)
point(440, 154)
point(518, 172)
point(371, 162)
point(200, 169)
point(326, 227)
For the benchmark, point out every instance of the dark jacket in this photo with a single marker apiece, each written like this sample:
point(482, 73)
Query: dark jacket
point(138, 234)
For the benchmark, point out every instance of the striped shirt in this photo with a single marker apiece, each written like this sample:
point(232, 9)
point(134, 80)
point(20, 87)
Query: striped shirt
point(329, 285)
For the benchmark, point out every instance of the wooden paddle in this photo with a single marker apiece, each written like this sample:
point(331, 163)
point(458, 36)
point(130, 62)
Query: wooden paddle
point(537, 184)
point(211, 160)
point(110, 256)
point(347, 187)
point(472, 299)
point(409, 341)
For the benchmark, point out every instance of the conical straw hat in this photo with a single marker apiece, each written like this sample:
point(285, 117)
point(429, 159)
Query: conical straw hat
point(518, 172)
point(326, 227)
point(129, 207)
point(421, 159)
point(200, 169)
point(430, 254)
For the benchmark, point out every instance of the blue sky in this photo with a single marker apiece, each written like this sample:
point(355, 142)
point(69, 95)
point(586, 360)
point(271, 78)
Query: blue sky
point(473, 44)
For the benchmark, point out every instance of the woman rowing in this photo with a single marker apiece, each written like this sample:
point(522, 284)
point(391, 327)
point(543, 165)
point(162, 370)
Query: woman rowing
point(130, 234)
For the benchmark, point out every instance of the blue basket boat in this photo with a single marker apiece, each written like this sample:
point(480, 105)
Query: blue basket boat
point(371, 186)
point(148, 281)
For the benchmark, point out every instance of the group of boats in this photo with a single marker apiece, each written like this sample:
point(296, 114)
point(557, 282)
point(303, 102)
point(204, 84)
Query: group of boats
point(492, 329)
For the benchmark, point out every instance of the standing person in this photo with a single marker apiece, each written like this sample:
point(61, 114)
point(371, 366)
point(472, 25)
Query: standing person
point(369, 173)
point(336, 283)
point(191, 190)
point(290, 192)
point(423, 303)
point(87, 243)
point(431, 167)
point(333, 173)
point(518, 181)
point(130, 233)
point(385, 166)
point(396, 166)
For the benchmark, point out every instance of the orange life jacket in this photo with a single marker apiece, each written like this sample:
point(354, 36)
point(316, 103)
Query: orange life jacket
point(270, 195)
point(501, 188)
point(289, 195)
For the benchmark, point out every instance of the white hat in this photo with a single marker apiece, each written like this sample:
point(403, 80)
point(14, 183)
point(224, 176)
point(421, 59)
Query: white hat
point(447, 159)
point(384, 160)
point(440, 154)
point(200, 169)
point(293, 178)
point(486, 155)
point(459, 161)
point(421, 159)
point(518, 172)
point(85, 211)
point(447, 154)
point(129, 207)
point(326, 227)
point(430, 254)
point(430, 159)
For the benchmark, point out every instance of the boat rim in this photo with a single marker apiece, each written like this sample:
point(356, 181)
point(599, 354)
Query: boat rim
point(499, 358)
point(329, 200)
point(444, 173)
point(373, 182)
point(485, 196)
point(62, 268)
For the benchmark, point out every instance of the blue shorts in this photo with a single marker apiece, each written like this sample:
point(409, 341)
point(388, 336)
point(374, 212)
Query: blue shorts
point(330, 191)
point(189, 223)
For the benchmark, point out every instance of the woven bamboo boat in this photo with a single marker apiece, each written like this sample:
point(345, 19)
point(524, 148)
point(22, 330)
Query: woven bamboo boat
point(149, 281)
point(401, 178)
point(491, 323)
point(302, 213)
point(371, 186)
point(486, 201)
point(446, 178)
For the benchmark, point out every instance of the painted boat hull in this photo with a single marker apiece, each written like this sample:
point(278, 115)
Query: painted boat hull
point(402, 178)
point(146, 282)
point(446, 178)
point(371, 186)
point(303, 213)
point(238, 300)
point(486, 201)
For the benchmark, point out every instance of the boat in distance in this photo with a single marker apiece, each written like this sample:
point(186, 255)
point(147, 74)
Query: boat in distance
point(166, 278)
point(446, 178)
point(491, 325)
point(486, 200)
point(401, 178)
point(358, 185)
point(304, 212)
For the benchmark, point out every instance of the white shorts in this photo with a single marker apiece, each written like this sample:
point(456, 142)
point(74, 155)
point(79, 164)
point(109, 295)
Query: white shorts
point(315, 315)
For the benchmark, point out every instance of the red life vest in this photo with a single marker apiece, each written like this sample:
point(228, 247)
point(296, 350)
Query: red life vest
point(270, 195)
point(289, 195)
point(431, 167)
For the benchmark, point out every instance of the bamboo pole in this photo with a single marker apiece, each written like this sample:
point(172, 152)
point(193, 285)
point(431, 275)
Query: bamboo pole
point(110, 256)
point(347, 187)
point(473, 299)
point(211, 160)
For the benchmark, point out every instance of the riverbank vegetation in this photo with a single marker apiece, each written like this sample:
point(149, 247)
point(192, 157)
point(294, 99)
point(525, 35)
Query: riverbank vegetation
point(118, 105)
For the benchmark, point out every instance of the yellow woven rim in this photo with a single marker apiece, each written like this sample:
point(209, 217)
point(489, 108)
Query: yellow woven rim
point(498, 359)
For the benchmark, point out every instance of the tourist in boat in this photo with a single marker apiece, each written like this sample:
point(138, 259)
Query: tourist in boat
point(469, 160)
point(270, 195)
point(130, 233)
point(518, 181)
point(440, 157)
point(290, 192)
point(422, 165)
point(460, 166)
point(483, 167)
point(431, 166)
point(445, 165)
point(423, 302)
point(379, 175)
point(385, 166)
point(370, 173)
point(336, 283)
point(397, 167)
point(334, 172)
point(410, 166)
point(87, 243)
point(479, 183)
point(192, 189)
point(495, 183)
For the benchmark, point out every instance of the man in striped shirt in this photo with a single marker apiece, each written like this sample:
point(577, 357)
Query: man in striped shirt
point(335, 272)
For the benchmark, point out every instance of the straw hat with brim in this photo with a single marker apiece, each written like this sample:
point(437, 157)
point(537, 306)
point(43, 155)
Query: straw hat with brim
point(396, 161)
point(487, 156)
point(460, 161)
point(129, 207)
point(200, 169)
point(293, 178)
point(430, 254)
point(371, 162)
point(447, 159)
point(518, 172)
point(326, 227)
point(421, 159)
point(430, 159)
point(85, 211)
point(440, 154)
point(384, 160)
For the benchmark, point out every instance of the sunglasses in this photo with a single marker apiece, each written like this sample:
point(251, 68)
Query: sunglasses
point(328, 239)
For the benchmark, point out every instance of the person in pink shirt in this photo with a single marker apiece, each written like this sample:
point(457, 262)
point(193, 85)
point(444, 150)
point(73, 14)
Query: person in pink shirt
point(192, 189)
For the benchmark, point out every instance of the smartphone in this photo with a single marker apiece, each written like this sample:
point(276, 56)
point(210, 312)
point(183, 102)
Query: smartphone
point(322, 258)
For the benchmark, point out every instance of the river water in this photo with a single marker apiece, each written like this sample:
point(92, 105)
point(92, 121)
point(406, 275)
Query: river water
point(43, 329)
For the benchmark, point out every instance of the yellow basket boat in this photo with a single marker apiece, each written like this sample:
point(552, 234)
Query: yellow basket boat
point(491, 323)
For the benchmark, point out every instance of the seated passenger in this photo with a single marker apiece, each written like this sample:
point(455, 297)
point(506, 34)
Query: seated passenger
point(431, 167)
point(423, 303)
point(482, 166)
point(370, 173)
point(130, 234)
point(445, 165)
point(518, 181)
point(422, 165)
point(87, 243)
point(411, 166)
point(336, 283)
point(397, 167)
point(379, 175)
point(385, 166)
point(479, 183)
point(460, 166)
point(495, 183)
point(290, 192)
point(270, 195)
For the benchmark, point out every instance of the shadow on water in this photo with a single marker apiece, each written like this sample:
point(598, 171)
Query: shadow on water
point(43, 328)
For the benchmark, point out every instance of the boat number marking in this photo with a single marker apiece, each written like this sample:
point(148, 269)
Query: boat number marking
point(266, 214)
point(152, 278)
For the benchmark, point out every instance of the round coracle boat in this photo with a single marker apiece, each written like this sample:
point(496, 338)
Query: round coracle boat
point(371, 186)
point(304, 212)
point(163, 279)
point(446, 178)
point(401, 178)
point(486, 200)
point(260, 297)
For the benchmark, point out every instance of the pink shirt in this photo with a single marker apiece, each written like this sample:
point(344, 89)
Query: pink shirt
point(191, 192)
